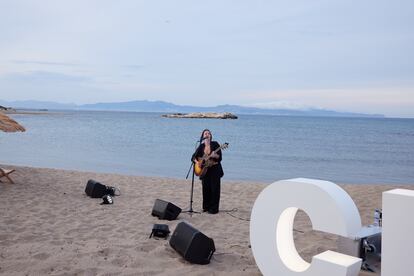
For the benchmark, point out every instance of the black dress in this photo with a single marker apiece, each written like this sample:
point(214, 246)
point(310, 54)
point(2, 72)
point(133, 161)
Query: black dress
point(211, 180)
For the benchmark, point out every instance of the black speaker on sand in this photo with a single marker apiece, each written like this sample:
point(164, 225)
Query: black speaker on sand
point(193, 245)
point(95, 189)
point(165, 210)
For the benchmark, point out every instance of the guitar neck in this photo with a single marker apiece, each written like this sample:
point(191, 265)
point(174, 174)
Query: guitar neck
point(216, 150)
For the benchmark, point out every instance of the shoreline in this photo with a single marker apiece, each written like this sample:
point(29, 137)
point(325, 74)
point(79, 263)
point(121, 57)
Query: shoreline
point(49, 226)
point(27, 112)
point(230, 181)
point(225, 179)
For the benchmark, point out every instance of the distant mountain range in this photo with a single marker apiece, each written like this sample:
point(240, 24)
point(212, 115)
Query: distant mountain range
point(165, 107)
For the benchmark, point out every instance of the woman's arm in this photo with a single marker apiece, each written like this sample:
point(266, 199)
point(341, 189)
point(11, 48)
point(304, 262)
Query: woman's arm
point(218, 157)
point(197, 153)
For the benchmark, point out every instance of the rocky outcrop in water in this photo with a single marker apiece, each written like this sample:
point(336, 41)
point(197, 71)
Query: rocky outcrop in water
point(7, 109)
point(202, 115)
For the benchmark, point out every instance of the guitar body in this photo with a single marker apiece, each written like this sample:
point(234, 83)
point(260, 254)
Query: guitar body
point(199, 169)
point(202, 164)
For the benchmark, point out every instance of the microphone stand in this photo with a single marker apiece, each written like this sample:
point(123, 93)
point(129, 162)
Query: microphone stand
point(190, 210)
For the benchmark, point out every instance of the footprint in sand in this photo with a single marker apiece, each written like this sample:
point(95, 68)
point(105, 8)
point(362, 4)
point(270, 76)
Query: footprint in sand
point(145, 248)
point(120, 262)
point(41, 256)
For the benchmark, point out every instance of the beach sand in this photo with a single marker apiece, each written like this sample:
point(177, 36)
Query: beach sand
point(48, 226)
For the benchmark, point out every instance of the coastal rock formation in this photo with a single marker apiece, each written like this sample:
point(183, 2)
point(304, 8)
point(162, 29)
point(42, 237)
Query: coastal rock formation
point(7, 109)
point(202, 115)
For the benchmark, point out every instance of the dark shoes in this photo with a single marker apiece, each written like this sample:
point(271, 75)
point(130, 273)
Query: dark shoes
point(210, 211)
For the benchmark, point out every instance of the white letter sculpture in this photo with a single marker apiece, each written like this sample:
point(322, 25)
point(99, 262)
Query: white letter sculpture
point(329, 208)
point(397, 233)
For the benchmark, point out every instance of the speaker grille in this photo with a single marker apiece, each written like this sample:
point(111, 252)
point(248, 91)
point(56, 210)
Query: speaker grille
point(193, 245)
point(95, 189)
point(165, 210)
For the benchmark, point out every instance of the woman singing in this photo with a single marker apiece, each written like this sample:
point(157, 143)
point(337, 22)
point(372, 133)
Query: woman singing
point(211, 179)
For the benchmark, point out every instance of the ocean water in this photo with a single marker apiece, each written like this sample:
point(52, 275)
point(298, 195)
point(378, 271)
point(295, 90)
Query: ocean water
point(261, 148)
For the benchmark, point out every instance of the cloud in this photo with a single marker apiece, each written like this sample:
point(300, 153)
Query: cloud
point(44, 63)
point(391, 101)
point(44, 77)
point(134, 67)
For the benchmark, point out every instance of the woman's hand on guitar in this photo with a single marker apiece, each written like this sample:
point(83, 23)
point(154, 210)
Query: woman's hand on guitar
point(214, 155)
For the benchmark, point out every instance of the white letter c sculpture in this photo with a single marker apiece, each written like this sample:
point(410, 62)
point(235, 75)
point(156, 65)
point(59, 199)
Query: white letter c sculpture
point(330, 210)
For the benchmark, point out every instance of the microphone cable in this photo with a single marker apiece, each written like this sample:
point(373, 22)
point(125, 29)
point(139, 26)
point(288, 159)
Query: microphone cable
point(229, 212)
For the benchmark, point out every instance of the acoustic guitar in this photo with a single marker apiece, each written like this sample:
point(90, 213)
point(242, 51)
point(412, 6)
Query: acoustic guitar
point(202, 164)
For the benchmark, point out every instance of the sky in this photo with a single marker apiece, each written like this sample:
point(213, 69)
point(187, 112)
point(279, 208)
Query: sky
point(342, 55)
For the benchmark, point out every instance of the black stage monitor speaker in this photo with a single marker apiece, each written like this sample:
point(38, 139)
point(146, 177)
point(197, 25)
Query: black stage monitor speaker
point(165, 210)
point(95, 189)
point(193, 245)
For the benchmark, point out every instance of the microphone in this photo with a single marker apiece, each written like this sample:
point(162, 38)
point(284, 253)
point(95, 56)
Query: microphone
point(202, 139)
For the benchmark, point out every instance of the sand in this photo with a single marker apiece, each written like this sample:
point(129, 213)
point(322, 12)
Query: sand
point(48, 226)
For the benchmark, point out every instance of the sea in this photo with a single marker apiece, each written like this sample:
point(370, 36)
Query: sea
point(261, 148)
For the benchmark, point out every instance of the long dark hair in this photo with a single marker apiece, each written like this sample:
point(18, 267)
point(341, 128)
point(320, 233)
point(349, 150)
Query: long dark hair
point(201, 137)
